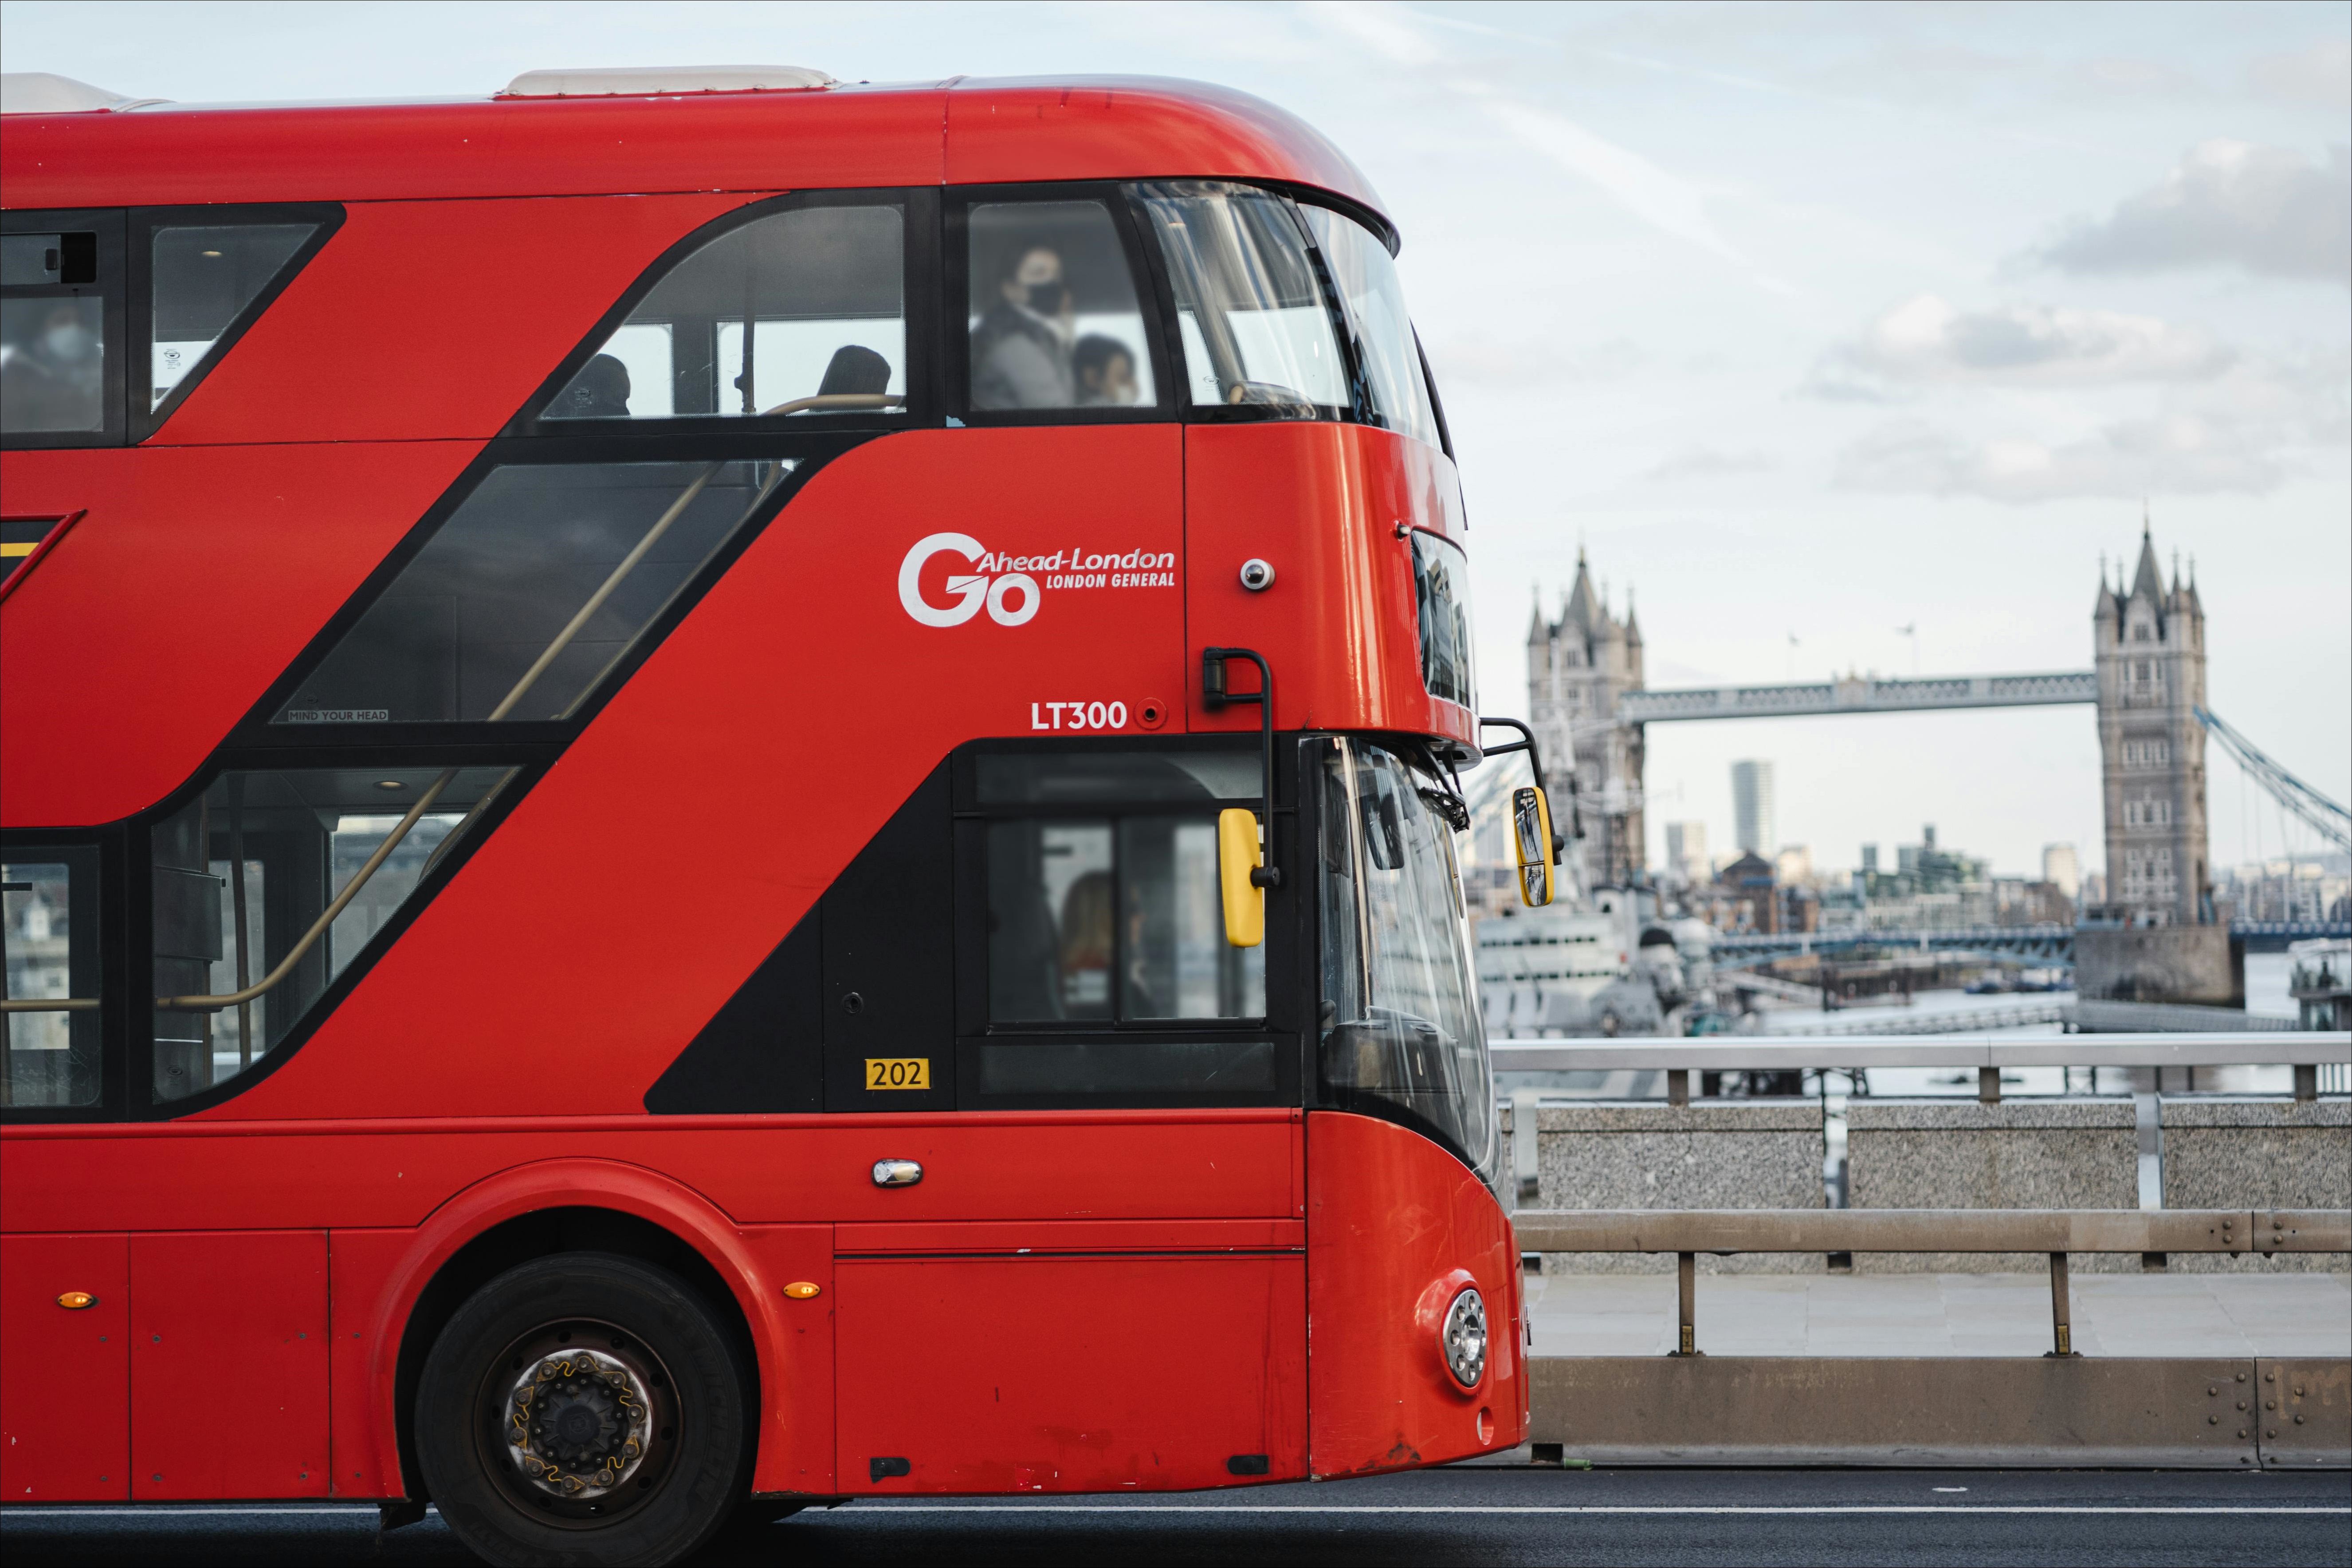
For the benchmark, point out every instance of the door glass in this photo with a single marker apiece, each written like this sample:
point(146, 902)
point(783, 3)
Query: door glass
point(48, 931)
point(205, 277)
point(1175, 962)
point(801, 304)
point(1049, 919)
point(244, 877)
point(1054, 319)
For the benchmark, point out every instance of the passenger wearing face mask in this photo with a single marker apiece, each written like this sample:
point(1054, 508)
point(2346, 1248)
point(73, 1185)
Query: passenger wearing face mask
point(53, 369)
point(1104, 370)
point(1021, 350)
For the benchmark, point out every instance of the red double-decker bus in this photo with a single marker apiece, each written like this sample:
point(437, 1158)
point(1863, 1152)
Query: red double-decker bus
point(723, 789)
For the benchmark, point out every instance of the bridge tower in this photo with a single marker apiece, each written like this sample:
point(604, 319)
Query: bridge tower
point(2151, 669)
point(1577, 666)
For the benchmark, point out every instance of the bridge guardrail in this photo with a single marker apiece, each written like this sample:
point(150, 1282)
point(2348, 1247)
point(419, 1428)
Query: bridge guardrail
point(2057, 1409)
point(2054, 1231)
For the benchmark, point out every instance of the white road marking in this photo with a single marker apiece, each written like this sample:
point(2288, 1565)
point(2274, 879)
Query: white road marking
point(886, 1505)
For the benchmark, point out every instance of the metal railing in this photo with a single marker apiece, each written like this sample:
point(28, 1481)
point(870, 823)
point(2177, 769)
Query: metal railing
point(2303, 1050)
point(2054, 1232)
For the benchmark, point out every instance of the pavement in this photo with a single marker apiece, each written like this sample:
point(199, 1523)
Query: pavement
point(2304, 1315)
point(1486, 1513)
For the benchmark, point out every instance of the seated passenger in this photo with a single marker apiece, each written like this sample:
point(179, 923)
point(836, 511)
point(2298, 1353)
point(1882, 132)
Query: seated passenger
point(1104, 370)
point(1021, 350)
point(601, 390)
point(854, 369)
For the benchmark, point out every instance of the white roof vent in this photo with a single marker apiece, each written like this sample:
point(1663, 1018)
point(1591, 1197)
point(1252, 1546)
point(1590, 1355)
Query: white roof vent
point(44, 92)
point(634, 82)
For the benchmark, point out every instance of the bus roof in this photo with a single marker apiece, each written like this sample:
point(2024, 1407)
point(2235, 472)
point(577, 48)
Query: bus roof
point(962, 132)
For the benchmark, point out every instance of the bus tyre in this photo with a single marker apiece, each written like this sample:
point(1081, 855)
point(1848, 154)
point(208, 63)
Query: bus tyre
point(585, 1409)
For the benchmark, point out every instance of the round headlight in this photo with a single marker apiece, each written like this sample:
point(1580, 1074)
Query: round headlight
point(1463, 1337)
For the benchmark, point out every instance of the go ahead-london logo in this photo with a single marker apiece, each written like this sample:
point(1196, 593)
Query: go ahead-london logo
point(1011, 587)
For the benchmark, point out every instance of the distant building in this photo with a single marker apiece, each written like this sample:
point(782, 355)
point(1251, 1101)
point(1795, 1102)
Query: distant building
point(1577, 666)
point(2060, 871)
point(1755, 823)
point(1686, 851)
point(2151, 664)
point(1794, 864)
point(1749, 889)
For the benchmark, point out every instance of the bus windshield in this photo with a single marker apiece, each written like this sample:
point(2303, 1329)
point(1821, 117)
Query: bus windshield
point(1401, 1034)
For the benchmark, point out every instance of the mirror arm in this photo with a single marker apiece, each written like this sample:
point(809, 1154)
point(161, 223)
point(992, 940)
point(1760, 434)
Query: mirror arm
point(1526, 744)
point(1214, 696)
point(1535, 764)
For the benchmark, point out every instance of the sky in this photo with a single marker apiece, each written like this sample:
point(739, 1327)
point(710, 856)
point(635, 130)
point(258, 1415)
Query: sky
point(1806, 323)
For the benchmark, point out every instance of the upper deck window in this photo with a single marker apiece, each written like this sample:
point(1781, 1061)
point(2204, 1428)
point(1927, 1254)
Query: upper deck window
point(205, 277)
point(1053, 312)
point(1257, 332)
point(59, 298)
point(1373, 299)
point(799, 313)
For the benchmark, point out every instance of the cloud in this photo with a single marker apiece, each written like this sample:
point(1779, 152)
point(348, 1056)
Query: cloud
point(1706, 462)
point(2321, 74)
point(2267, 209)
point(1927, 339)
point(2245, 431)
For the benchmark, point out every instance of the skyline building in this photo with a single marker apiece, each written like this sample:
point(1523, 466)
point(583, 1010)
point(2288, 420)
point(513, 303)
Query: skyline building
point(2061, 870)
point(1756, 825)
point(1686, 851)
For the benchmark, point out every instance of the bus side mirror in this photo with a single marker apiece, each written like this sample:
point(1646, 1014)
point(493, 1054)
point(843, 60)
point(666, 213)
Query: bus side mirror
point(1531, 833)
point(1237, 858)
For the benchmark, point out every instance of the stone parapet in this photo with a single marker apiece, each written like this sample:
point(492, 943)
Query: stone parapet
point(2232, 1153)
point(1963, 1154)
point(1723, 1154)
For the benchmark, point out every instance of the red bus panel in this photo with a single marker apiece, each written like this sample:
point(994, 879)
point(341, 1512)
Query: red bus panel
point(228, 1364)
point(65, 1372)
point(1395, 1227)
point(1059, 1374)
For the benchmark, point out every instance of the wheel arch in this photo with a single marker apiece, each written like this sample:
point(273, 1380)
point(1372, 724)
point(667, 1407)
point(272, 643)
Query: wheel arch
point(538, 1210)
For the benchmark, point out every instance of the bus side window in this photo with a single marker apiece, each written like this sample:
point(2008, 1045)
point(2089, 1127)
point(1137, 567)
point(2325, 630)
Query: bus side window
point(203, 278)
point(769, 318)
point(61, 300)
point(245, 875)
point(1052, 315)
point(48, 931)
point(1256, 331)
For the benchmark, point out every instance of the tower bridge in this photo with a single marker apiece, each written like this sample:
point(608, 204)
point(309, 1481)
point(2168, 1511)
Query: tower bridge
point(1588, 701)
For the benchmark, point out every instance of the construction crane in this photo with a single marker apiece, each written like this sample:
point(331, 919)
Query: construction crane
point(2324, 816)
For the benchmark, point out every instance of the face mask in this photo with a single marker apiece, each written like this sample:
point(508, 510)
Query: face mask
point(1045, 298)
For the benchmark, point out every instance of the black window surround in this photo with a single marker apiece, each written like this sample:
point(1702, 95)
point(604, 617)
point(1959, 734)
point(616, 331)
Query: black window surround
point(1289, 944)
point(126, 277)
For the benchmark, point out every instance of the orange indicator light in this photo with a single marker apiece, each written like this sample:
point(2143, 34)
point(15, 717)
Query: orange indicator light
point(75, 1301)
point(802, 1289)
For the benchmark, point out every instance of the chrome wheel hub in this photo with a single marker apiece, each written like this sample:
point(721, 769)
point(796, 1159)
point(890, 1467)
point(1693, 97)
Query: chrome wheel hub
point(578, 1422)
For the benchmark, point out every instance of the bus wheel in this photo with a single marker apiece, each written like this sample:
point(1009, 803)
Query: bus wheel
point(585, 1409)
